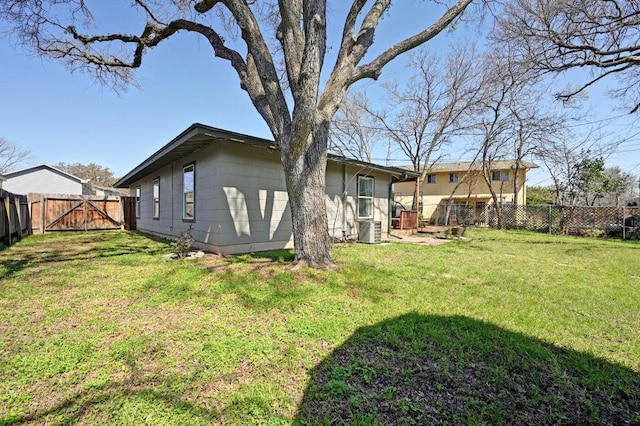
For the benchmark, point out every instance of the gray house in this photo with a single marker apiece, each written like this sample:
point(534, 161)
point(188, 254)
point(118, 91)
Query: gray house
point(230, 189)
point(43, 179)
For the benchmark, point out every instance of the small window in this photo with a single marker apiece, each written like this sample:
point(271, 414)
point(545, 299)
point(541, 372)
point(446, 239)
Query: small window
point(431, 178)
point(501, 176)
point(188, 192)
point(453, 178)
point(138, 191)
point(365, 197)
point(156, 198)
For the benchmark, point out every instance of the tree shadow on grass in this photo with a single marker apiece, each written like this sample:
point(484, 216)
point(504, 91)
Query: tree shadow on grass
point(78, 246)
point(76, 406)
point(418, 369)
point(281, 255)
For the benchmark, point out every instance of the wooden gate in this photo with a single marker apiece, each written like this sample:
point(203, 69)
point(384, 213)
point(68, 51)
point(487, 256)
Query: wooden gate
point(76, 213)
point(129, 210)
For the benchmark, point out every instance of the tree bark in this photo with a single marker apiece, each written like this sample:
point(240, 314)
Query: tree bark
point(306, 185)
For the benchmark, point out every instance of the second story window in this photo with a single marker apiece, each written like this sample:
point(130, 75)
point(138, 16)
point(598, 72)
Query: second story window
point(453, 178)
point(431, 179)
point(500, 176)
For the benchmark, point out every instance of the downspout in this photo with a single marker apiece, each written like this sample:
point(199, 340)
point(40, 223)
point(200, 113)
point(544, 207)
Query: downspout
point(405, 177)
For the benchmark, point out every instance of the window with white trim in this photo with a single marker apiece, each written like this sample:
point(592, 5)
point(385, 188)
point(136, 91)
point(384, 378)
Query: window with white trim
point(365, 197)
point(188, 192)
point(138, 191)
point(453, 178)
point(431, 179)
point(500, 176)
point(156, 198)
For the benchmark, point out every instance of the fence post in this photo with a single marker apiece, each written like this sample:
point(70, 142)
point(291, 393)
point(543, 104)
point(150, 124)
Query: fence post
point(16, 202)
point(550, 218)
point(84, 214)
point(43, 209)
point(7, 223)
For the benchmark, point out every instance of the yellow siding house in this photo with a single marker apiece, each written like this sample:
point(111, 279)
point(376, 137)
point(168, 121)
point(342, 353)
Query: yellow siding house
point(464, 183)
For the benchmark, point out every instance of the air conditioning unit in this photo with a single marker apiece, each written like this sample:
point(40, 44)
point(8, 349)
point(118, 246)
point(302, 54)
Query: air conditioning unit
point(370, 232)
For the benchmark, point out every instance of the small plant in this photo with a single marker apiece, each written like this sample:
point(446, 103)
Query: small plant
point(183, 243)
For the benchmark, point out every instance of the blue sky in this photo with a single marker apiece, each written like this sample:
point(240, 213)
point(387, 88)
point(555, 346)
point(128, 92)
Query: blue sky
point(64, 117)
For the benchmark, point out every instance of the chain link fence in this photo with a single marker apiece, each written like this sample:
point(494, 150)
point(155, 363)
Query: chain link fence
point(616, 222)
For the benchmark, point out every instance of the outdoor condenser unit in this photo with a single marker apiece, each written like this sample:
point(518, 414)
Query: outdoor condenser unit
point(370, 232)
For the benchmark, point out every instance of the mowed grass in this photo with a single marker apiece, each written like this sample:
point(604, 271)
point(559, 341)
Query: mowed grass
point(499, 328)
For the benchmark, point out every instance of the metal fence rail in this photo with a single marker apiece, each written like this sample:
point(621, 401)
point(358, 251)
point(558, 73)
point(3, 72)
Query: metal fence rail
point(619, 222)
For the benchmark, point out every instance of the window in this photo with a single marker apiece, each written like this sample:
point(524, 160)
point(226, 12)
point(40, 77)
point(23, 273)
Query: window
point(453, 178)
point(138, 190)
point(501, 176)
point(365, 197)
point(188, 192)
point(431, 178)
point(156, 198)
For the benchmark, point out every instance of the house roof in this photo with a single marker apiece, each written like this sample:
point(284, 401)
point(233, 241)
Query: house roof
point(464, 166)
point(2, 178)
point(109, 189)
point(42, 167)
point(199, 135)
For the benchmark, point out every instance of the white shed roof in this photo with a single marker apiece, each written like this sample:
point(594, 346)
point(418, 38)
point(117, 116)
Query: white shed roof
point(41, 167)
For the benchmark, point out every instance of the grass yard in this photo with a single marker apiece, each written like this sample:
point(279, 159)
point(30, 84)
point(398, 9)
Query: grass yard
point(499, 328)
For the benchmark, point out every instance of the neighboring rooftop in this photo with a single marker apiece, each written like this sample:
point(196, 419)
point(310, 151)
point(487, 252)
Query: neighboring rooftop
point(462, 166)
point(41, 167)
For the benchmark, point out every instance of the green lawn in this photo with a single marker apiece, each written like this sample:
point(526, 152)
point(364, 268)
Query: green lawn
point(499, 328)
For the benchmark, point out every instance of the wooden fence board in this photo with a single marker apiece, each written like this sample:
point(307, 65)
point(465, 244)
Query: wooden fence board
point(14, 217)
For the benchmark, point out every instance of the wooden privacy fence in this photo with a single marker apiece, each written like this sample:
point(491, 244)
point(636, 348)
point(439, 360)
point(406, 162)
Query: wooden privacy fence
point(15, 221)
point(55, 212)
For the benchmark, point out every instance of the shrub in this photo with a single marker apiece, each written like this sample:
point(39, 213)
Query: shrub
point(184, 242)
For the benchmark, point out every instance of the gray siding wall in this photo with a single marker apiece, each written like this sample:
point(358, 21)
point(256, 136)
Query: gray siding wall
point(241, 200)
point(342, 198)
point(42, 181)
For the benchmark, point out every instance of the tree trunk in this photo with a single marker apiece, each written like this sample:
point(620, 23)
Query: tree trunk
point(306, 185)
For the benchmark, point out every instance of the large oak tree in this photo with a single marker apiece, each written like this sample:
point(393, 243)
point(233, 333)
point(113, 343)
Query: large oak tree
point(92, 172)
point(299, 121)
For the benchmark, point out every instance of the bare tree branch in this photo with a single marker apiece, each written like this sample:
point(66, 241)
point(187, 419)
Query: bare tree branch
point(11, 155)
point(552, 36)
point(373, 68)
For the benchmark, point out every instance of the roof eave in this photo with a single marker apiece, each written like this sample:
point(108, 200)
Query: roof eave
point(200, 135)
point(394, 171)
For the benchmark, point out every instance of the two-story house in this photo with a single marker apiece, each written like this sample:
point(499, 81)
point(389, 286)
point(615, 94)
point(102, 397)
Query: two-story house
point(464, 183)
